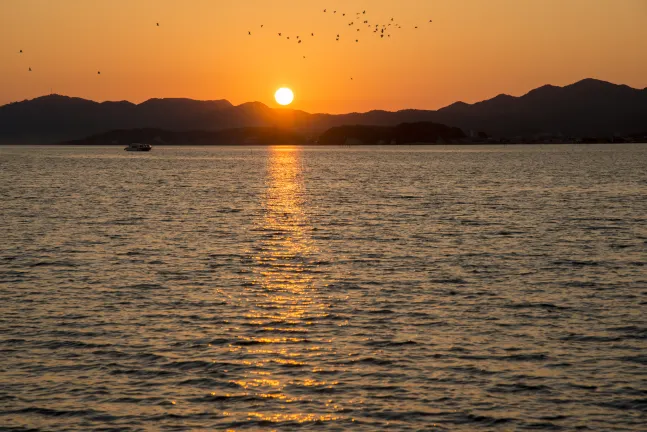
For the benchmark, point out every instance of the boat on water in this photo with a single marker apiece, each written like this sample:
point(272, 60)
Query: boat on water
point(139, 147)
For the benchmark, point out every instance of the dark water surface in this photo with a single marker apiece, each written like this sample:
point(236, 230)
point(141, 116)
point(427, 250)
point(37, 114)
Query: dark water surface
point(430, 288)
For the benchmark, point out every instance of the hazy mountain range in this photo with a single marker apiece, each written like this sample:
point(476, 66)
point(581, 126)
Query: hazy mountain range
point(587, 108)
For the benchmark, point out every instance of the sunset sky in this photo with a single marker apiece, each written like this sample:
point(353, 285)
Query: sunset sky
point(473, 50)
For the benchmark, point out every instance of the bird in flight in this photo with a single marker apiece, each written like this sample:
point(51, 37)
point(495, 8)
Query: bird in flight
point(249, 33)
point(158, 24)
point(98, 72)
point(20, 52)
point(29, 69)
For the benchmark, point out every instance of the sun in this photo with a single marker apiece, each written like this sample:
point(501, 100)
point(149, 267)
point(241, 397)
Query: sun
point(284, 96)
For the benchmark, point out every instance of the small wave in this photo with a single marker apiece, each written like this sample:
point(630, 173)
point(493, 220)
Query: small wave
point(191, 365)
point(380, 311)
point(53, 264)
point(71, 344)
point(386, 344)
point(576, 263)
point(519, 388)
point(371, 361)
point(627, 404)
point(143, 373)
point(49, 412)
point(526, 357)
point(201, 382)
point(482, 420)
point(591, 338)
point(263, 341)
point(455, 281)
point(581, 284)
point(640, 359)
point(145, 286)
point(525, 305)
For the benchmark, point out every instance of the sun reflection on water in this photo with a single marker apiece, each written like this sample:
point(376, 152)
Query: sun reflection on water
point(284, 303)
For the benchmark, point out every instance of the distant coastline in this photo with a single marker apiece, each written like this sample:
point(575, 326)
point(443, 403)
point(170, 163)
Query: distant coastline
point(421, 133)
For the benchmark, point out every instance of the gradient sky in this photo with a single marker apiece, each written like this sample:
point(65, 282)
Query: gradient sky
point(475, 49)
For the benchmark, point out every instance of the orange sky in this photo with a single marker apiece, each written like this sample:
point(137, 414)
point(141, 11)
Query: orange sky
point(474, 49)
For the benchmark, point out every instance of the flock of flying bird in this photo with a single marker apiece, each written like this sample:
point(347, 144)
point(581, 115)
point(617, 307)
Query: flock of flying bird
point(380, 30)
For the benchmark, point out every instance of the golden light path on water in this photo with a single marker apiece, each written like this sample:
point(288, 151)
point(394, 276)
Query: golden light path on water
point(284, 302)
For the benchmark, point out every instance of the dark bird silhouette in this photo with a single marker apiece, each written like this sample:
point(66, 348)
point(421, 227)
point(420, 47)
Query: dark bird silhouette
point(324, 10)
point(356, 40)
point(312, 34)
point(98, 72)
point(299, 41)
point(29, 69)
point(249, 33)
point(20, 52)
point(158, 24)
point(261, 25)
point(279, 34)
point(430, 21)
point(364, 12)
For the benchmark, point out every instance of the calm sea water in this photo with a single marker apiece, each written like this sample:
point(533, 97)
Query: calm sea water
point(423, 288)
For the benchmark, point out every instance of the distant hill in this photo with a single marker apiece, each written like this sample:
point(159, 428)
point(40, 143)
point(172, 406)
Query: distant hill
point(235, 136)
point(405, 133)
point(587, 108)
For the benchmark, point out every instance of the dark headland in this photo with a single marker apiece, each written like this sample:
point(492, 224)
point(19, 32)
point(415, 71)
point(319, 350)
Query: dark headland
point(587, 111)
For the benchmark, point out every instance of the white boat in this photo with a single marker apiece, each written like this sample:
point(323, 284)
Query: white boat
point(138, 147)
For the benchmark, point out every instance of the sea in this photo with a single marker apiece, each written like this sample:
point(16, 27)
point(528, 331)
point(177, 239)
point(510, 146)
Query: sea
point(405, 288)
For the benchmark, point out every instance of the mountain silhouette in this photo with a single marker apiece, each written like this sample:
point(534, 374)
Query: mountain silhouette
point(587, 108)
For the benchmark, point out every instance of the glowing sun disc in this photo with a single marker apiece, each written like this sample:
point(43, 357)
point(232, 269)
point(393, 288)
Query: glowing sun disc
point(284, 96)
